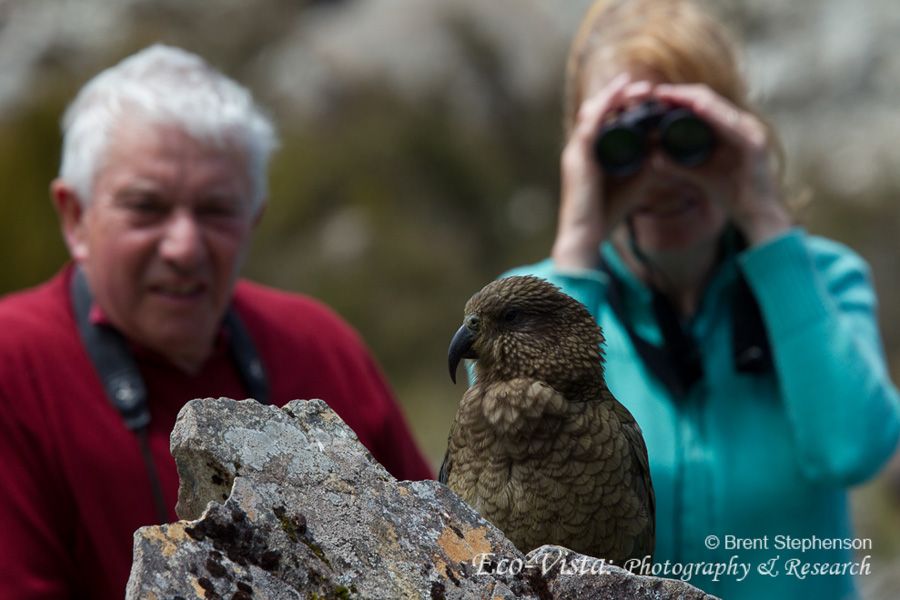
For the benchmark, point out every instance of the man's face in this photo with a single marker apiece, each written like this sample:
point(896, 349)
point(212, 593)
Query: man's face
point(163, 236)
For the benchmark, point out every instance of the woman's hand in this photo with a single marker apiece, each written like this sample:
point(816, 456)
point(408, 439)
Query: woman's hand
point(742, 167)
point(585, 218)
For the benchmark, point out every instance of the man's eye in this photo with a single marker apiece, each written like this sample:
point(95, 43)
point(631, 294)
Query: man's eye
point(146, 207)
point(215, 211)
point(218, 209)
point(149, 207)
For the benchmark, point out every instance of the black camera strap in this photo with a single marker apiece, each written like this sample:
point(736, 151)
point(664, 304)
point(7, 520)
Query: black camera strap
point(677, 363)
point(750, 349)
point(123, 383)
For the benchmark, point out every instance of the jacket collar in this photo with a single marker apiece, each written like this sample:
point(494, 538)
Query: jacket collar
point(638, 296)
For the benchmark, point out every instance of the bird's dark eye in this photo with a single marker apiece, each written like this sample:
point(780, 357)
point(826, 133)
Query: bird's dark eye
point(511, 315)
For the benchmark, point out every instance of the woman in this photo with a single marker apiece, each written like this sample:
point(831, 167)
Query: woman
point(747, 349)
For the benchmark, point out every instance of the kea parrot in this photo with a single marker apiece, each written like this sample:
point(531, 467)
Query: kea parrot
point(540, 447)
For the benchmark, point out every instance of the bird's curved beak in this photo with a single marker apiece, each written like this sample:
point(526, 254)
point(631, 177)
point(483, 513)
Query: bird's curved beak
point(460, 348)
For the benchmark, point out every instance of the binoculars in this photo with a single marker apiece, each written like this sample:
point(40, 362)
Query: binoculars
point(624, 142)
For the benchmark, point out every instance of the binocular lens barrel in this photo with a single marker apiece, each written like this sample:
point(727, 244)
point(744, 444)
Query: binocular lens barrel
point(621, 151)
point(686, 138)
point(623, 143)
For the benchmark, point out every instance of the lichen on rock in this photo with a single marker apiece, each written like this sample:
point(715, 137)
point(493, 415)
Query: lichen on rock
point(286, 503)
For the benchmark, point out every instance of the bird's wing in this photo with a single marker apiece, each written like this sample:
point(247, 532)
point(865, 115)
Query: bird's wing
point(447, 463)
point(641, 474)
point(444, 473)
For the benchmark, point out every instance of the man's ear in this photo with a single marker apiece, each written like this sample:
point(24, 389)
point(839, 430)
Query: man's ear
point(71, 218)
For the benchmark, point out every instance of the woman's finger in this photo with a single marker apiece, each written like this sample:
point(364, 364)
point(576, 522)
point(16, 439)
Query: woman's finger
point(738, 127)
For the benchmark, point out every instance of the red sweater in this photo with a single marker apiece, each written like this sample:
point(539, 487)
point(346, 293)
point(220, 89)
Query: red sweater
point(73, 486)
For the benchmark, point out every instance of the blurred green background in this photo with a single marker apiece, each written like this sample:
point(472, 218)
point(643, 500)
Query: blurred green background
point(420, 146)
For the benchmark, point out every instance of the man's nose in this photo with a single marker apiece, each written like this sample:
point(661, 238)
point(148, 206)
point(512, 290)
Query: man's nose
point(182, 243)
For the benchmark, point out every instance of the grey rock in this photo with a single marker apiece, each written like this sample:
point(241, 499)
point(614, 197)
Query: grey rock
point(286, 503)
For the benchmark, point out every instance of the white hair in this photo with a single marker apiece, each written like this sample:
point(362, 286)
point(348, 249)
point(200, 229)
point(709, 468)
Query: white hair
point(165, 85)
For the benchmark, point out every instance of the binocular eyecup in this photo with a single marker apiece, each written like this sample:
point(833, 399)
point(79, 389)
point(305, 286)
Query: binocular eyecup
point(623, 143)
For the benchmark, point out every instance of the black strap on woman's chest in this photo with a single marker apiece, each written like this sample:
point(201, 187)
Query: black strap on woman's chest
point(124, 385)
point(678, 363)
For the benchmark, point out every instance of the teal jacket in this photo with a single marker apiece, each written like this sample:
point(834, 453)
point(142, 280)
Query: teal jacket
point(758, 456)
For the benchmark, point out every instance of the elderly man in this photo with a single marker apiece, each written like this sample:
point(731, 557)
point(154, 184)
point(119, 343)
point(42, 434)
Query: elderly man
point(161, 184)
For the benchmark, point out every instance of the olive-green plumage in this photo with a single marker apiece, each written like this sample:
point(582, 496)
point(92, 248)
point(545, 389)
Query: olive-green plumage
point(539, 446)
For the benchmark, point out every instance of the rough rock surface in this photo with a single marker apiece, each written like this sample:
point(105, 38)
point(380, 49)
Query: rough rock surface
point(286, 503)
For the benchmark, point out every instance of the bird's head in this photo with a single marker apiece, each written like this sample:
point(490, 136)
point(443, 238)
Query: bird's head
point(526, 327)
